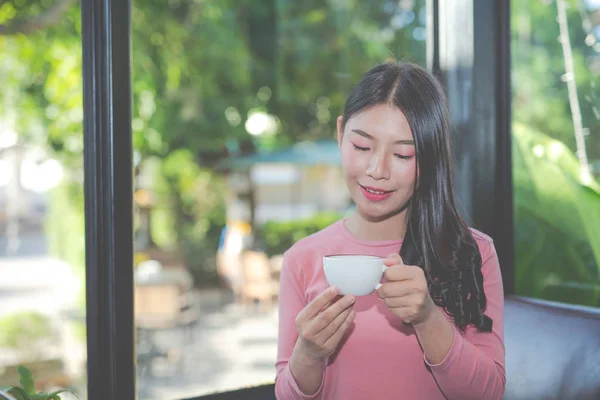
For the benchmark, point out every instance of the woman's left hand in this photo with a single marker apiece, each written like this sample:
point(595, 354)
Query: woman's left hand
point(405, 291)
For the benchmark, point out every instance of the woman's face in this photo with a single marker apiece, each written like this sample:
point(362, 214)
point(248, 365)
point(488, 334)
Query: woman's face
point(378, 159)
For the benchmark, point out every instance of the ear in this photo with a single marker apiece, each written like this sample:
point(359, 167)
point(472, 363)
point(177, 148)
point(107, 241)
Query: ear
point(340, 132)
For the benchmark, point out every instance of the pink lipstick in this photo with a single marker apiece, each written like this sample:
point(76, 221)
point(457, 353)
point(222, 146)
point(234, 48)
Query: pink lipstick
point(374, 194)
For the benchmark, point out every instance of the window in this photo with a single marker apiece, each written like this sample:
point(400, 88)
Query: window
point(222, 82)
point(556, 149)
point(42, 262)
point(217, 87)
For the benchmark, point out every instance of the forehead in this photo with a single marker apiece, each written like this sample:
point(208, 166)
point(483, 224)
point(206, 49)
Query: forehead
point(382, 122)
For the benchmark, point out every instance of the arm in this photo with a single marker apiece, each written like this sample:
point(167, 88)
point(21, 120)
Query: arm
point(436, 336)
point(469, 366)
point(291, 303)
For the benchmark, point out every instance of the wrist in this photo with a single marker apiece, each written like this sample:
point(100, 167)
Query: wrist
point(308, 371)
point(431, 319)
point(305, 359)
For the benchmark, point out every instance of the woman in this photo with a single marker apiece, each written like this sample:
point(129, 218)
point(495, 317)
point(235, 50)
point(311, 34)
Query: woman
point(434, 330)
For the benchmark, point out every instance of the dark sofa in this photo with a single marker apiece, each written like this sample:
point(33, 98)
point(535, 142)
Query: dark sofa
point(552, 353)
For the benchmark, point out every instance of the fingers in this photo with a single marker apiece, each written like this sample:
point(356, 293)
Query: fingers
point(331, 313)
point(314, 307)
point(335, 325)
point(336, 338)
point(393, 259)
point(404, 313)
point(394, 289)
point(323, 321)
point(402, 272)
point(335, 299)
point(396, 270)
point(400, 302)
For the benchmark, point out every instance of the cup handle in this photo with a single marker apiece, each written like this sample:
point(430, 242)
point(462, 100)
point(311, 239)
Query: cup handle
point(383, 268)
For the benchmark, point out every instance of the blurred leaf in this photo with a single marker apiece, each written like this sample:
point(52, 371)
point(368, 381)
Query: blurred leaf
point(23, 330)
point(26, 380)
point(540, 95)
point(557, 218)
point(276, 237)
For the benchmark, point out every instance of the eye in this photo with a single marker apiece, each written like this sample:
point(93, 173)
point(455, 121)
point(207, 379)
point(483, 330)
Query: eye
point(360, 148)
point(400, 156)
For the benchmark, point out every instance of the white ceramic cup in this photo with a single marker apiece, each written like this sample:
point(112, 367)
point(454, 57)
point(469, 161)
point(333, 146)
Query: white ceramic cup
point(357, 275)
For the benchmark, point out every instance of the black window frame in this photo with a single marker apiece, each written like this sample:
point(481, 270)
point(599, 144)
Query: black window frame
point(108, 196)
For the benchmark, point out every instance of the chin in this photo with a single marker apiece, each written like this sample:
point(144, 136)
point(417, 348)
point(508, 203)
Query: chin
point(377, 217)
point(372, 214)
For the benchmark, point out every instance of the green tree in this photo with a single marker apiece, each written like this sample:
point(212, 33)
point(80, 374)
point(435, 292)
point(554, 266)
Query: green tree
point(540, 96)
point(557, 252)
point(200, 69)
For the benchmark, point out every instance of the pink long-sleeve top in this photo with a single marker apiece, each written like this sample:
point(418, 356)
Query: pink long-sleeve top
point(381, 357)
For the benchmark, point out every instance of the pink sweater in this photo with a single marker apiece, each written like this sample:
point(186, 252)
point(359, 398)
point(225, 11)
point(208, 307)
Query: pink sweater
point(381, 358)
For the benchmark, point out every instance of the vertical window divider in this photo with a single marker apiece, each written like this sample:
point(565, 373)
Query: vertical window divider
point(108, 190)
point(468, 48)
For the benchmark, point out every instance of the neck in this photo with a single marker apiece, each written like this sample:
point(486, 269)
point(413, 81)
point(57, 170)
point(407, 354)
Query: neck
point(392, 228)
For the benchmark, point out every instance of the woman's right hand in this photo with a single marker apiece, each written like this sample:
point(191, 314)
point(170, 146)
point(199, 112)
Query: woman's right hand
point(323, 323)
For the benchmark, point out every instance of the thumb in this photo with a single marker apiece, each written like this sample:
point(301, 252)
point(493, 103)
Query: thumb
point(393, 259)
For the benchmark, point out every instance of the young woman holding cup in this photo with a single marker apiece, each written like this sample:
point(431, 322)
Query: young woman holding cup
point(434, 328)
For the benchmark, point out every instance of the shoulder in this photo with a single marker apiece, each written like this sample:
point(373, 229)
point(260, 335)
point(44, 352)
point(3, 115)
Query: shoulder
point(303, 258)
point(484, 242)
point(489, 257)
point(480, 237)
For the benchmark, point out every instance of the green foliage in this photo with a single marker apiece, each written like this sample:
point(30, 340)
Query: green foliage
point(188, 69)
point(41, 80)
point(194, 198)
point(540, 94)
point(28, 391)
point(557, 210)
point(198, 70)
point(65, 225)
point(326, 46)
point(277, 237)
point(25, 331)
point(557, 215)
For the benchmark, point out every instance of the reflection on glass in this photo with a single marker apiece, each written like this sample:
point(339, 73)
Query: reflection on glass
point(556, 149)
point(42, 263)
point(234, 112)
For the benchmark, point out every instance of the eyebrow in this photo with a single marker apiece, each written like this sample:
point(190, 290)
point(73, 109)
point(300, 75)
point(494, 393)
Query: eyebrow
point(366, 135)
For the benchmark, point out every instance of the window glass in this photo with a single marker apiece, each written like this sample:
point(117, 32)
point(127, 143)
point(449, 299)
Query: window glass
point(556, 149)
point(234, 110)
point(42, 247)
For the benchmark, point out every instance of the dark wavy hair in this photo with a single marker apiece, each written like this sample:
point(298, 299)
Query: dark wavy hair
point(437, 239)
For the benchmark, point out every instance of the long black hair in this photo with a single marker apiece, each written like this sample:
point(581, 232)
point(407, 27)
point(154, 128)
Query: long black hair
point(437, 239)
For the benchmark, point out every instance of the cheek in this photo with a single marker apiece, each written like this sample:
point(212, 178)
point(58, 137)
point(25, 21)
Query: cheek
point(407, 173)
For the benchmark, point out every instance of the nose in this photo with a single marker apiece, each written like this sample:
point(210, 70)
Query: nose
point(378, 167)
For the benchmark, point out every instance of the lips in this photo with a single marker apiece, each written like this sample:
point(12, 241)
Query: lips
point(374, 194)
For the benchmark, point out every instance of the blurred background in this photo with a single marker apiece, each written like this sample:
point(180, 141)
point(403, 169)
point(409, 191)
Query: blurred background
point(234, 108)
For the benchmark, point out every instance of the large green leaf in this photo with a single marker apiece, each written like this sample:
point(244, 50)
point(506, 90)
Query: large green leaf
point(26, 380)
point(557, 221)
